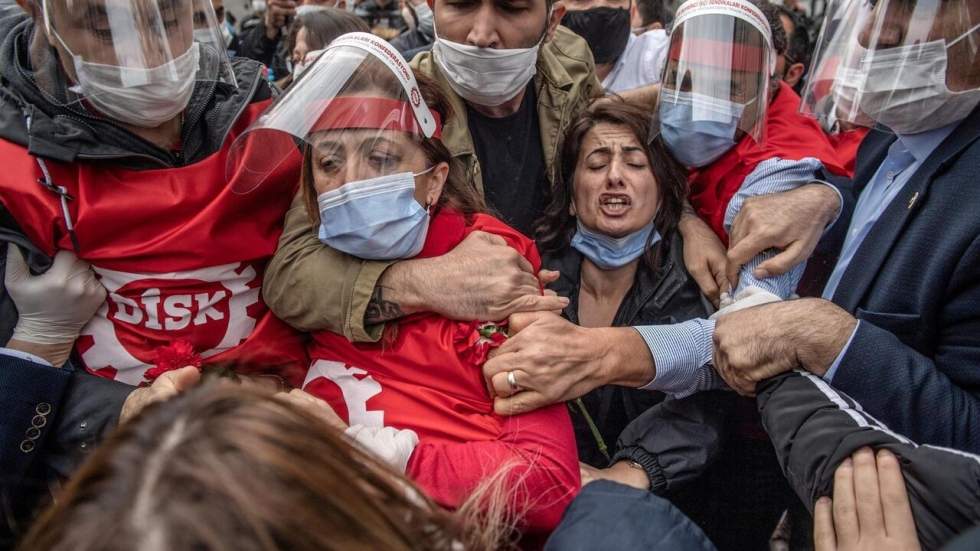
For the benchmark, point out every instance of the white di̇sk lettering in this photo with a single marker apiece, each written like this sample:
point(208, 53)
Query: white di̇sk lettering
point(156, 310)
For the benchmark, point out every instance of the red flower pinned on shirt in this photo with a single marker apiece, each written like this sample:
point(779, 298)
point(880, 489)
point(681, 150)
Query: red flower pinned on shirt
point(475, 340)
point(175, 356)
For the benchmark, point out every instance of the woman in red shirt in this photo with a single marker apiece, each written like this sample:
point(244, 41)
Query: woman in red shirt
point(377, 181)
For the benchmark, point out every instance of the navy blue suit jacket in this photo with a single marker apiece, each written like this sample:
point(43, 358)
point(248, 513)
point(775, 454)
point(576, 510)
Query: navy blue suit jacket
point(914, 282)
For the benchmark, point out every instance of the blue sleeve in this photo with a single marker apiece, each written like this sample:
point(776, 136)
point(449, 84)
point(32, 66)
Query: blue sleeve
point(682, 357)
point(770, 177)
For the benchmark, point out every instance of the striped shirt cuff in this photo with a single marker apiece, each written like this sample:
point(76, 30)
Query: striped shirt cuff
point(682, 356)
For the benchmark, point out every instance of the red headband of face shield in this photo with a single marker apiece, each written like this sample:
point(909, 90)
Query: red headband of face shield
point(372, 112)
point(721, 54)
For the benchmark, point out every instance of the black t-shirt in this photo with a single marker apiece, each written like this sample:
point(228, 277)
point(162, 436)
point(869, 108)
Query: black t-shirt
point(512, 162)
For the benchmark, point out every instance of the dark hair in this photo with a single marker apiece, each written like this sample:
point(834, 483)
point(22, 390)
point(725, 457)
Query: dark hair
point(456, 193)
point(554, 233)
point(654, 11)
point(227, 467)
point(775, 25)
point(798, 49)
point(322, 27)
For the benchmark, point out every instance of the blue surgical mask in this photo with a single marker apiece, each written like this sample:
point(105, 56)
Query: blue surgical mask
point(609, 253)
point(698, 129)
point(374, 219)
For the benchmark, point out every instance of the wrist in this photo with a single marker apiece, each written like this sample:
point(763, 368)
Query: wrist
point(821, 348)
point(630, 473)
point(404, 284)
point(625, 360)
point(824, 196)
point(55, 354)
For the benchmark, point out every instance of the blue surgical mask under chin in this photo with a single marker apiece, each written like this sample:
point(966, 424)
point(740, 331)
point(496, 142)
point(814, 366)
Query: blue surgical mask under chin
point(609, 253)
point(698, 136)
point(374, 219)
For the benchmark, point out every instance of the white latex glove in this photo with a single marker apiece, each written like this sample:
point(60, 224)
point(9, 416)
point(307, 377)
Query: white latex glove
point(52, 307)
point(746, 298)
point(391, 445)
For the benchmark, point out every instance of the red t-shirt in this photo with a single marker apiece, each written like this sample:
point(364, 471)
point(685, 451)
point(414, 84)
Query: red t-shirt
point(180, 253)
point(426, 375)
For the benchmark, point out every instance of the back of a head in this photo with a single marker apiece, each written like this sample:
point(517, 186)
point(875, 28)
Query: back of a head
point(226, 468)
point(324, 25)
point(653, 11)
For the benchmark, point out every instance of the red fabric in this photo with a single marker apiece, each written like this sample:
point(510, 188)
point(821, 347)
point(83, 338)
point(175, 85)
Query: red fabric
point(425, 377)
point(789, 135)
point(372, 112)
point(847, 143)
point(180, 253)
point(719, 53)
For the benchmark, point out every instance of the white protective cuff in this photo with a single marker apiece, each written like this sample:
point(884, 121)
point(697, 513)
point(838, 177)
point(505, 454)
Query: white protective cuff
point(391, 445)
point(746, 298)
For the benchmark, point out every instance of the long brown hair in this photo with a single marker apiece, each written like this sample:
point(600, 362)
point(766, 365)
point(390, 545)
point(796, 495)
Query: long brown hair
point(554, 233)
point(456, 193)
point(223, 467)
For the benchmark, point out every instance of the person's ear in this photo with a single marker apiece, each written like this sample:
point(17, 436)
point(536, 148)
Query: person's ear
point(557, 13)
point(437, 182)
point(571, 207)
point(794, 73)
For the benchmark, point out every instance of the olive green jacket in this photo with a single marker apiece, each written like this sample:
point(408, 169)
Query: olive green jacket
point(313, 287)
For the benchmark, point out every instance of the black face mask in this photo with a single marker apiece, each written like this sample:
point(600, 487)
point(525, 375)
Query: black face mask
point(607, 30)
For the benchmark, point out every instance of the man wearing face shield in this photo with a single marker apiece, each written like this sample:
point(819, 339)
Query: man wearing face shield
point(514, 78)
point(898, 318)
point(114, 124)
point(623, 61)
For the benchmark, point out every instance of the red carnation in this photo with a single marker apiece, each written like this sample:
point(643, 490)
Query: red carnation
point(174, 356)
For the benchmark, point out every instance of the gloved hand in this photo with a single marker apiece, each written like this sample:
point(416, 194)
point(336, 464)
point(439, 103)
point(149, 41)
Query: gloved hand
point(389, 444)
point(52, 307)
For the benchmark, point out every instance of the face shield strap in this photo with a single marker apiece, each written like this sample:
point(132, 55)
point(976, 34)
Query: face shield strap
point(739, 9)
point(380, 49)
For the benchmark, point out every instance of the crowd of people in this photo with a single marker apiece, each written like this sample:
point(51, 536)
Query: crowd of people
point(490, 274)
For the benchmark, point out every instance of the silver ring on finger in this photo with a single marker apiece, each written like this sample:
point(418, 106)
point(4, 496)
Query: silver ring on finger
point(512, 381)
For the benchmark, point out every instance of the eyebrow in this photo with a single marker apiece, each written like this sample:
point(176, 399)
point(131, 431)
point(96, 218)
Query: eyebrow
point(605, 150)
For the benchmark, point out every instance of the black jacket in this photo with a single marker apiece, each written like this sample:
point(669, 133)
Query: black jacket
point(412, 42)
point(814, 427)
point(252, 43)
point(80, 407)
point(630, 421)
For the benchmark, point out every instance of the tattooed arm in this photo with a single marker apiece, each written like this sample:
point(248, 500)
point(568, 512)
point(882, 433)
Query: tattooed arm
point(380, 309)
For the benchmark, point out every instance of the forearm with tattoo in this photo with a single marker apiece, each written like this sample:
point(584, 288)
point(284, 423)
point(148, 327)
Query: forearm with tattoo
point(380, 310)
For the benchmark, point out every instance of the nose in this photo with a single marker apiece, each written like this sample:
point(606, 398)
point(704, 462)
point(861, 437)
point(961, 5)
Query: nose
point(615, 175)
point(484, 34)
point(882, 31)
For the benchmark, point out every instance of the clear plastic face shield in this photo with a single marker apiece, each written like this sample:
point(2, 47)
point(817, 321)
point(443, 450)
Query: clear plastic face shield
point(905, 65)
point(356, 114)
point(135, 61)
point(718, 67)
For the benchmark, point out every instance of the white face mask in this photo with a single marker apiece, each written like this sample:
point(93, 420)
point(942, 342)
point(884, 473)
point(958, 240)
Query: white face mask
point(424, 14)
point(904, 88)
point(141, 97)
point(486, 76)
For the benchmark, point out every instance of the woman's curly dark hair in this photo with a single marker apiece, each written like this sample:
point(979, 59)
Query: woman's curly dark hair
point(554, 232)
